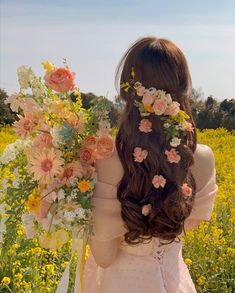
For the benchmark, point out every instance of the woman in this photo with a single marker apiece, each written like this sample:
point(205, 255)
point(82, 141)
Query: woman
point(158, 182)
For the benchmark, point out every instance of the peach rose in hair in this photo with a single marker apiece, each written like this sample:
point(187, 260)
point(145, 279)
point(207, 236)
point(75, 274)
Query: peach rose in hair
point(145, 125)
point(147, 98)
point(60, 79)
point(158, 180)
point(172, 156)
point(139, 90)
point(139, 154)
point(173, 109)
point(159, 106)
point(187, 191)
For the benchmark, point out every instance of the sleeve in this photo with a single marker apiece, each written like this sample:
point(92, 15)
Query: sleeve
point(204, 200)
point(106, 213)
point(205, 176)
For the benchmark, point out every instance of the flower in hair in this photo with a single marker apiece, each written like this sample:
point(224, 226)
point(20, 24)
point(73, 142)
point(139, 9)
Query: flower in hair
point(172, 155)
point(139, 89)
point(175, 141)
point(145, 125)
point(158, 181)
point(187, 191)
point(173, 109)
point(139, 154)
point(158, 102)
point(185, 125)
point(160, 106)
point(146, 209)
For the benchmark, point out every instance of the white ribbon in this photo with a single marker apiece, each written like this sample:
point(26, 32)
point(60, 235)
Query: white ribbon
point(78, 242)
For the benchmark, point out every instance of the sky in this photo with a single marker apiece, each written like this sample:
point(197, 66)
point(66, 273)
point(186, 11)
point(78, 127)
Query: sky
point(93, 36)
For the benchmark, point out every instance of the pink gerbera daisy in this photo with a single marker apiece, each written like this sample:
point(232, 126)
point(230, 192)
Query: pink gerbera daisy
point(45, 164)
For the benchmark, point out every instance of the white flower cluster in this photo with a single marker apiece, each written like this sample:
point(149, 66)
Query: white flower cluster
point(11, 151)
point(25, 76)
point(71, 215)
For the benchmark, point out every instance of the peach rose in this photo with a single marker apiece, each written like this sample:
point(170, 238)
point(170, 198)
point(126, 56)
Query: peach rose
point(159, 106)
point(87, 156)
point(158, 181)
point(60, 79)
point(139, 154)
point(187, 191)
point(147, 98)
point(139, 89)
point(145, 125)
point(173, 109)
point(172, 156)
point(105, 146)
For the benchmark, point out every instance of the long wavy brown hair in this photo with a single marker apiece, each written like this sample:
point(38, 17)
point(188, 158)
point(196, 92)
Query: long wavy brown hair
point(161, 64)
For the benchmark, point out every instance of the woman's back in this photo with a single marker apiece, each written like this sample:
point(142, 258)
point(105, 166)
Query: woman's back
point(147, 267)
point(158, 181)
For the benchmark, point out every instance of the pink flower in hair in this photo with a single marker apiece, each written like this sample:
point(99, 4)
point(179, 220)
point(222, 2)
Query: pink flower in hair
point(145, 125)
point(139, 88)
point(158, 180)
point(189, 127)
point(139, 154)
point(173, 109)
point(172, 156)
point(187, 191)
point(159, 106)
point(147, 98)
point(146, 209)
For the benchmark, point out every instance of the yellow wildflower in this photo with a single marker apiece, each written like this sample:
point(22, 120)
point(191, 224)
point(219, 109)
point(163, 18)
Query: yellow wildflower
point(188, 261)
point(201, 280)
point(84, 185)
point(5, 281)
point(48, 66)
point(18, 278)
point(33, 203)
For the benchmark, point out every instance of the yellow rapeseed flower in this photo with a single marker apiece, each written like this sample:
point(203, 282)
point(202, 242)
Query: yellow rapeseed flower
point(84, 185)
point(188, 261)
point(201, 280)
point(5, 281)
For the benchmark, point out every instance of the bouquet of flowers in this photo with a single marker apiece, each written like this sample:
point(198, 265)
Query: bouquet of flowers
point(54, 154)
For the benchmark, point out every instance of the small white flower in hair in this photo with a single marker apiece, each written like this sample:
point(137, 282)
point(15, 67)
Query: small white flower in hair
point(175, 141)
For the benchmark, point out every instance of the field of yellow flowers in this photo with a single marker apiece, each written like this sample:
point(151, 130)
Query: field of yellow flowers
point(208, 250)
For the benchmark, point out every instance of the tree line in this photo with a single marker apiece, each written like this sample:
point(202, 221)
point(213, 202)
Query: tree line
point(207, 114)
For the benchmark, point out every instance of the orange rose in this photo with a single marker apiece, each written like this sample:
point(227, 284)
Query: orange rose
point(60, 79)
point(105, 147)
